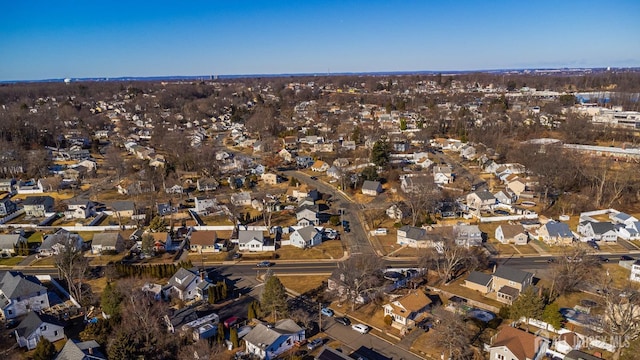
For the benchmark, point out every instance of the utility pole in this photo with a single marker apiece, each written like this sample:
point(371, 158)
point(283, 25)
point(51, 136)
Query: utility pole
point(320, 315)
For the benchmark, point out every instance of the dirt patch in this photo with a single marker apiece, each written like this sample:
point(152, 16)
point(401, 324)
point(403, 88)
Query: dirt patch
point(302, 284)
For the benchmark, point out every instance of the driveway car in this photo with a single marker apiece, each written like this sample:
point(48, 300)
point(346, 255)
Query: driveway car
point(237, 256)
point(626, 258)
point(264, 264)
point(361, 328)
point(231, 321)
point(326, 312)
point(343, 320)
point(603, 259)
point(314, 344)
point(313, 178)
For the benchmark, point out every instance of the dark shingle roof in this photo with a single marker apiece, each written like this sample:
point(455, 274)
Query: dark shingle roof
point(558, 229)
point(602, 227)
point(182, 278)
point(14, 284)
point(76, 350)
point(512, 274)
point(33, 321)
point(413, 232)
point(479, 278)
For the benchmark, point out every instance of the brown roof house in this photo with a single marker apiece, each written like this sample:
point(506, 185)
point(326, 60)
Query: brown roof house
point(514, 344)
point(203, 242)
point(512, 234)
point(406, 310)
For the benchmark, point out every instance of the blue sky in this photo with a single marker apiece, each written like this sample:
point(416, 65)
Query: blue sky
point(47, 39)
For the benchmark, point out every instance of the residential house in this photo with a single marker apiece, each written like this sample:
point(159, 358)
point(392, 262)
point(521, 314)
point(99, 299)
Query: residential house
point(398, 211)
point(53, 244)
point(327, 353)
point(107, 241)
point(442, 174)
point(122, 209)
point(20, 294)
point(479, 281)
point(635, 271)
point(306, 237)
point(371, 188)
point(241, 199)
point(253, 240)
point(9, 243)
point(308, 215)
point(7, 207)
point(511, 343)
point(556, 233)
point(207, 184)
point(30, 186)
point(468, 152)
point(416, 237)
point(204, 205)
point(320, 166)
point(481, 200)
point(408, 309)
point(566, 342)
point(334, 172)
point(82, 208)
point(203, 241)
point(8, 185)
point(517, 186)
point(349, 145)
point(630, 232)
point(35, 326)
point(187, 285)
point(285, 155)
point(622, 218)
point(418, 183)
point(268, 342)
point(38, 206)
point(505, 197)
point(76, 350)
point(600, 231)
point(162, 241)
point(467, 235)
point(304, 162)
point(512, 234)
point(290, 142)
point(509, 282)
point(269, 178)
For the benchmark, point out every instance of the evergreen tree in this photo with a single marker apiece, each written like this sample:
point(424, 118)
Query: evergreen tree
point(233, 337)
point(274, 297)
point(110, 300)
point(251, 312)
point(122, 347)
point(528, 305)
point(220, 335)
point(380, 153)
point(44, 350)
point(211, 296)
point(552, 316)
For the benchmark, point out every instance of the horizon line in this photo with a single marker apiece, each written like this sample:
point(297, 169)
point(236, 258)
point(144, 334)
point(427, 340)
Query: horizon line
point(312, 74)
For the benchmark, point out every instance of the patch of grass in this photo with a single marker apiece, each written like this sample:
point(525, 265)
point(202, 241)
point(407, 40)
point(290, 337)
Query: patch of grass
point(47, 261)
point(11, 261)
point(330, 249)
point(457, 288)
point(105, 259)
point(214, 257)
point(35, 238)
point(302, 284)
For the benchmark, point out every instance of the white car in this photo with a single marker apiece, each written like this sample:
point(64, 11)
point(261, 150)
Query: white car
point(361, 328)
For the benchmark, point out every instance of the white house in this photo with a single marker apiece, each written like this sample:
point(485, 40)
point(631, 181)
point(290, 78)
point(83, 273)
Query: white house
point(371, 188)
point(268, 342)
point(187, 285)
point(600, 231)
point(107, 241)
point(34, 326)
point(253, 240)
point(306, 237)
point(9, 242)
point(512, 234)
point(481, 200)
point(404, 311)
point(20, 294)
point(635, 271)
point(442, 175)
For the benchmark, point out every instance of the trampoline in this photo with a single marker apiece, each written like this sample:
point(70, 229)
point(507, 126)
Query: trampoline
point(481, 315)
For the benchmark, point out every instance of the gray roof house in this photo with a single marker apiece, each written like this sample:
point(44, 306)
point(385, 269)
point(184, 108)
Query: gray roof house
point(20, 294)
point(479, 281)
point(76, 350)
point(8, 243)
point(306, 237)
point(371, 188)
point(253, 240)
point(508, 282)
point(108, 241)
point(34, 326)
point(556, 233)
point(481, 200)
point(38, 206)
point(267, 342)
point(187, 285)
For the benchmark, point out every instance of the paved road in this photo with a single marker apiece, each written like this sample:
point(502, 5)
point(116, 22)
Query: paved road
point(356, 240)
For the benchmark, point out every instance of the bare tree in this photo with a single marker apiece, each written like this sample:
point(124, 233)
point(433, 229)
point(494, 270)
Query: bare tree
point(621, 320)
point(72, 266)
point(421, 196)
point(359, 273)
point(452, 335)
point(446, 258)
point(574, 267)
point(202, 350)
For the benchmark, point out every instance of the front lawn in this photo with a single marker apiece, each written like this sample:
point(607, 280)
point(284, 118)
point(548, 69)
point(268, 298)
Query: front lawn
point(11, 261)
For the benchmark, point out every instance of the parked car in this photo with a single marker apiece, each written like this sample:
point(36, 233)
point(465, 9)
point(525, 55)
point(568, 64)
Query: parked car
point(361, 328)
point(314, 178)
point(593, 244)
point(343, 320)
point(314, 344)
point(264, 264)
point(237, 256)
point(626, 258)
point(231, 321)
point(326, 312)
point(603, 259)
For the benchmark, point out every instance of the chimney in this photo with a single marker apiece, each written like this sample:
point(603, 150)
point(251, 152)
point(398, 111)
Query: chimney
point(90, 350)
point(202, 274)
